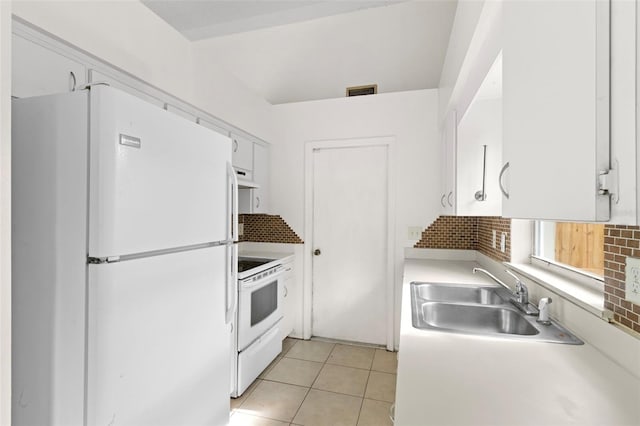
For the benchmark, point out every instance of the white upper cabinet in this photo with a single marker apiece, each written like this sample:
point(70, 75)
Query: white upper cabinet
point(37, 70)
point(97, 77)
point(261, 176)
point(556, 110)
point(242, 152)
point(479, 149)
point(448, 155)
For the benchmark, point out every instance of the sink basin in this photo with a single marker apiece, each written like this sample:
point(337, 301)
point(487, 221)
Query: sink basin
point(473, 319)
point(460, 293)
point(480, 310)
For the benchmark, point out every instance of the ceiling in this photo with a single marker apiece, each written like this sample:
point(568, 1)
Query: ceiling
point(398, 45)
point(199, 19)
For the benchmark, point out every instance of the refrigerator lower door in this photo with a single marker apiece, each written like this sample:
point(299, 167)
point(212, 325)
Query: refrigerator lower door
point(157, 180)
point(158, 345)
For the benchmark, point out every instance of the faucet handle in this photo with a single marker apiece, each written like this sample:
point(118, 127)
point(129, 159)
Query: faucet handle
point(519, 283)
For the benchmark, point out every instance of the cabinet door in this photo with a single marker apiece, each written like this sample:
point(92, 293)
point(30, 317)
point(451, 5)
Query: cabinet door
point(99, 77)
point(242, 152)
point(288, 311)
point(448, 196)
point(37, 70)
point(180, 112)
point(556, 109)
point(261, 177)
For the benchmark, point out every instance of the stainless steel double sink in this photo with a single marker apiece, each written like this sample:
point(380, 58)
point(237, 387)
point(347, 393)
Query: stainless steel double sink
point(481, 310)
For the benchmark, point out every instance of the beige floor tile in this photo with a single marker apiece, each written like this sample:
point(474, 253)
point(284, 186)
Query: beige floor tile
point(336, 378)
point(310, 350)
point(237, 402)
point(295, 372)
point(352, 356)
point(274, 400)
point(269, 367)
point(385, 361)
point(326, 408)
point(288, 343)
point(381, 386)
point(242, 419)
point(375, 413)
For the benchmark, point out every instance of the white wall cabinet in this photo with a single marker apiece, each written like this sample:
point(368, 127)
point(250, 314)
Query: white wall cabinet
point(261, 176)
point(289, 281)
point(97, 77)
point(556, 109)
point(242, 152)
point(38, 71)
point(448, 155)
point(256, 200)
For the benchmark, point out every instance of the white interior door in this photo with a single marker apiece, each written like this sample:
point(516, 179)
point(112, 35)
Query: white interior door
point(158, 345)
point(350, 210)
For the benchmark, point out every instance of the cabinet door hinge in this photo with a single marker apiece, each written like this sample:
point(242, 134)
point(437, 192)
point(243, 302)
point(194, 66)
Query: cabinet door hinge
point(608, 183)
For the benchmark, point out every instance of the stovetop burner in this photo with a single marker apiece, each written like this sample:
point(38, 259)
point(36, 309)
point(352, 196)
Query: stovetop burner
point(247, 263)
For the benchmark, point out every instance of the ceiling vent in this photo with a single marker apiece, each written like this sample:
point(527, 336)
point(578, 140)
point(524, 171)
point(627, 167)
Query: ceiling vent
point(370, 89)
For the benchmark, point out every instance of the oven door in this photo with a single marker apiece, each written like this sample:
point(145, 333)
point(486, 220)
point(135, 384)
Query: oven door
point(259, 307)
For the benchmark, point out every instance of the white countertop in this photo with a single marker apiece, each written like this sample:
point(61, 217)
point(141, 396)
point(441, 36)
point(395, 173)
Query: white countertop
point(455, 379)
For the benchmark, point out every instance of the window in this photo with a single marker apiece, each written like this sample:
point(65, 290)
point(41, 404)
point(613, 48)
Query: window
point(576, 247)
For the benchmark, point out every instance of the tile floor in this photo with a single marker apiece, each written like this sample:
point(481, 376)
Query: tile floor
point(320, 383)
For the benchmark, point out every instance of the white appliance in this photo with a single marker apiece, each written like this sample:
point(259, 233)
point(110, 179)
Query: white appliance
point(256, 340)
point(124, 280)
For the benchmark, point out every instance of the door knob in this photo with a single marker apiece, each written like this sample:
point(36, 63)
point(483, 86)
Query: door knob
point(317, 252)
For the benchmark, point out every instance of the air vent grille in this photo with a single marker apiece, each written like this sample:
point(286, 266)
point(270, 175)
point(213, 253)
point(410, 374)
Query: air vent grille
point(370, 89)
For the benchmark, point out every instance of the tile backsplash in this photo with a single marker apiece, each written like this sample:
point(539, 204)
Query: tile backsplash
point(265, 228)
point(620, 242)
point(450, 232)
point(468, 233)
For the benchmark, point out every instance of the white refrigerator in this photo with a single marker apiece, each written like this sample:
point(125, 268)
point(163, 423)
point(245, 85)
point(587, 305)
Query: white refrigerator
point(124, 268)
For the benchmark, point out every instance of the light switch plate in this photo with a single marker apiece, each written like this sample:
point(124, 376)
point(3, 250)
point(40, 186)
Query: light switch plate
point(503, 242)
point(632, 273)
point(493, 238)
point(415, 232)
point(240, 229)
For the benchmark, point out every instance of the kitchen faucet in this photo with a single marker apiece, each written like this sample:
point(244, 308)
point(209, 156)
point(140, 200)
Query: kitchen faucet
point(520, 298)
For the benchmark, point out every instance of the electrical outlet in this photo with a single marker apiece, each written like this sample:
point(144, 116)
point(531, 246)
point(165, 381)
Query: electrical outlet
point(493, 238)
point(240, 229)
point(632, 273)
point(415, 232)
point(503, 242)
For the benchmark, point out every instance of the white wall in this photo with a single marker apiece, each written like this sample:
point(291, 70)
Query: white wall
point(128, 35)
point(5, 213)
point(378, 45)
point(411, 117)
point(474, 43)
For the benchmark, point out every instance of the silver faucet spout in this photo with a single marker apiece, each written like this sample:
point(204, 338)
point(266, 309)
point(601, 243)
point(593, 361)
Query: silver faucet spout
point(520, 297)
point(493, 277)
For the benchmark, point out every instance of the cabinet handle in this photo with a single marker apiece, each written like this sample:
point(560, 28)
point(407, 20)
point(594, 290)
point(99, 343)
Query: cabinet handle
point(286, 291)
point(449, 199)
point(235, 145)
point(257, 202)
point(392, 413)
point(72, 81)
point(504, 169)
point(442, 200)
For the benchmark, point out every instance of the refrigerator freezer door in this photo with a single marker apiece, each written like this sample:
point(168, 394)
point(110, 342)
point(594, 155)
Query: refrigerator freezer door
point(158, 345)
point(157, 181)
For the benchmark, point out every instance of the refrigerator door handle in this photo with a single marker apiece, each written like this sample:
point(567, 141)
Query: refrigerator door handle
point(232, 204)
point(231, 287)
